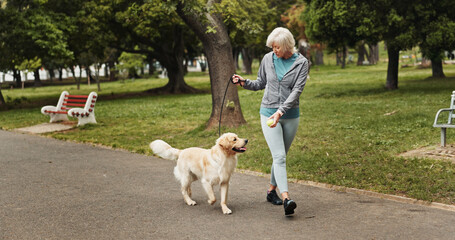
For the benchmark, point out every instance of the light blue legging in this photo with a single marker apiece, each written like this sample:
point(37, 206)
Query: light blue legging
point(279, 140)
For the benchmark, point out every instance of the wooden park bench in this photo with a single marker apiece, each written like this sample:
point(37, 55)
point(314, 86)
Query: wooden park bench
point(78, 106)
point(449, 123)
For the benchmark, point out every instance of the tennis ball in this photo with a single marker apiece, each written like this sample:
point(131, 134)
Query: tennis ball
point(270, 122)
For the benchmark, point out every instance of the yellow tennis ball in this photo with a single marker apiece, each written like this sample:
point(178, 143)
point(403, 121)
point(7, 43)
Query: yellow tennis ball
point(270, 122)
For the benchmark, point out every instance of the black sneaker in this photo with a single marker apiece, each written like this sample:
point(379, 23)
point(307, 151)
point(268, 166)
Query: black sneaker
point(289, 206)
point(273, 198)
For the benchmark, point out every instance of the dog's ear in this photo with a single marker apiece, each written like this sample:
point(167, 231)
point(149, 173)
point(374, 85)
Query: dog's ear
point(225, 141)
point(222, 141)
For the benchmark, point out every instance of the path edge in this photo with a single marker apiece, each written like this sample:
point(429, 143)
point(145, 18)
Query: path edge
point(337, 188)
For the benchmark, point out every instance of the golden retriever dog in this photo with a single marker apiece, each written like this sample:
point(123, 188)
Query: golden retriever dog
point(212, 166)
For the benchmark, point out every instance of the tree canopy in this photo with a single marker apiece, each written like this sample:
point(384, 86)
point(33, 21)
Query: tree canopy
point(400, 24)
point(65, 33)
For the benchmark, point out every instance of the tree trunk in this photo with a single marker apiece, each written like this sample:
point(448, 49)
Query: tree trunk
point(171, 57)
point(338, 57)
point(392, 68)
point(51, 75)
point(97, 75)
point(319, 57)
point(112, 71)
point(361, 54)
point(60, 74)
point(37, 82)
point(343, 60)
point(221, 68)
point(17, 77)
point(175, 72)
point(106, 70)
point(247, 55)
point(436, 68)
point(236, 53)
point(218, 50)
point(176, 82)
point(185, 67)
point(75, 78)
point(79, 80)
point(89, 75)
point(374, 54)
point(2, 99)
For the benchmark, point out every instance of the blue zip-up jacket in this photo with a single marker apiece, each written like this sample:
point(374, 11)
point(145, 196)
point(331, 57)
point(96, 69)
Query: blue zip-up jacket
point(283, 94)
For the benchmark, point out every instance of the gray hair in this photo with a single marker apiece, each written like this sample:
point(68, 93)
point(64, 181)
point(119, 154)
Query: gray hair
point(283, 38)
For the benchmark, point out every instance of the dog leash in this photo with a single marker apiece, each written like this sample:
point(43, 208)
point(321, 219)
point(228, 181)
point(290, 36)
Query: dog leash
point(231, 80)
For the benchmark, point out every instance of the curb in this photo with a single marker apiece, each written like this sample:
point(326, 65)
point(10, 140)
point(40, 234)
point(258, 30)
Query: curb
point(390, 197)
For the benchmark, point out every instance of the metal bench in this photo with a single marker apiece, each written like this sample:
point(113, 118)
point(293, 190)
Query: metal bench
point(65, 108)
point(449, 123)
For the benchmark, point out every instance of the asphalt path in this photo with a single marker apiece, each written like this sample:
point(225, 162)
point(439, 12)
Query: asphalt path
point(51, 189)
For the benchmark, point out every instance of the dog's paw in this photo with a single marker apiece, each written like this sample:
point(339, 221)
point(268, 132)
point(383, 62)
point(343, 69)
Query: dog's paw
point(211, 201)
point(226, 210)
point(191, 203)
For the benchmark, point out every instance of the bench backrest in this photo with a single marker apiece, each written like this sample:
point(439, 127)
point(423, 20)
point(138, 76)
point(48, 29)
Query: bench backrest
point(452, 106)
point(67, 101)
point(61, 100)
point(90, 102)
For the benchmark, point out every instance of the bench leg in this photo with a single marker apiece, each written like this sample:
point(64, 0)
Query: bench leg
point(443, 137)
point(84, 120)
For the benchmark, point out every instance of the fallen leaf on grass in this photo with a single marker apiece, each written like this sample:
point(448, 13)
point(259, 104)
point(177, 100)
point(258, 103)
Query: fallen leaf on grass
point(390, 113)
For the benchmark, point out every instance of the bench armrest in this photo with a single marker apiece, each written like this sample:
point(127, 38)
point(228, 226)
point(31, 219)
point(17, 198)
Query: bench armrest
point(435, 124)
point(48, 108)
point(73, 112)
point(82, 115)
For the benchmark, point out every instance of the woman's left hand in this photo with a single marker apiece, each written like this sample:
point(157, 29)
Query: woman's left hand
point(276, 117)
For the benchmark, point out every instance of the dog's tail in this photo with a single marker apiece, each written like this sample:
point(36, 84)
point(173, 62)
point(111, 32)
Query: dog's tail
point(164, 150)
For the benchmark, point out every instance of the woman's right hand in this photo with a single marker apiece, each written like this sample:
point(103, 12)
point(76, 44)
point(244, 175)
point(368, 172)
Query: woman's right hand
point(238, 80)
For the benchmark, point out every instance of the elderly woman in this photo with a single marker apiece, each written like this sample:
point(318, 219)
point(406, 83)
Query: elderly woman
point(282, 74)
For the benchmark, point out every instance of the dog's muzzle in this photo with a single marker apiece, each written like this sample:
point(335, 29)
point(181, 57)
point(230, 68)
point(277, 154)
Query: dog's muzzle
point(241, 149)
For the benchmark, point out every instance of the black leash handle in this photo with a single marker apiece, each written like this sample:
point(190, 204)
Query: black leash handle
point(232, 80)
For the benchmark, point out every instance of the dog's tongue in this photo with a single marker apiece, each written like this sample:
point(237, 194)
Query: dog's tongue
point(243, 148)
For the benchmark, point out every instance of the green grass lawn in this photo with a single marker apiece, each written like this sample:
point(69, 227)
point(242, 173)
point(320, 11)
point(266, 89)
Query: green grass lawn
point(351, 129)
